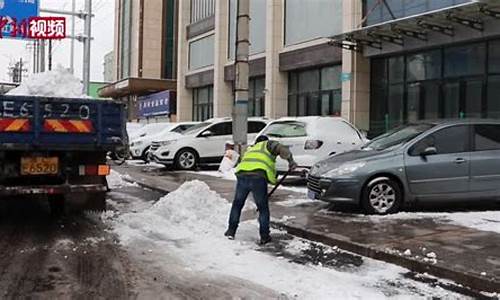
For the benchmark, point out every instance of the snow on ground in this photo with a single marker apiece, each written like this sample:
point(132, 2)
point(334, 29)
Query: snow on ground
point(295, 202)
point(189, 224)
point(56, 83)
point(116, 180)
point(480, 220)
point(295, 189)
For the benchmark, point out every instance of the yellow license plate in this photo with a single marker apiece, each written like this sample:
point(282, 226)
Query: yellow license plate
point(39, 165)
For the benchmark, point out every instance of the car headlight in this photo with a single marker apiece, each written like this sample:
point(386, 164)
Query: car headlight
point(165, 143)
point(345, 169)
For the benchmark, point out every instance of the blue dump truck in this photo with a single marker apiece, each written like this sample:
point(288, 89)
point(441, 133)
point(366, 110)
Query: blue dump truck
point(56, 148)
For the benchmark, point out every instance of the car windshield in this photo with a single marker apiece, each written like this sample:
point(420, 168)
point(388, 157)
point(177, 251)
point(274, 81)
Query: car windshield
point(286, 129)
point(181, 128)
point(196, 128)
point(397, 136)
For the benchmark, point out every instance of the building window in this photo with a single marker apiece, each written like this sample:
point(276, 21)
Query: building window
point(307, 20)
point(201, 53)
point(125, 40)
point(257, 27)
point(256, 104)
point(446, 82)
point(203, 103)
point(201, 9)
point(315, 92)
point(379, 12)
point(169, 40)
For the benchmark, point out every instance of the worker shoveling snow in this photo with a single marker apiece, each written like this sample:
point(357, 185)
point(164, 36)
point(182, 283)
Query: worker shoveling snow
point(56, 83)
point(189, 223)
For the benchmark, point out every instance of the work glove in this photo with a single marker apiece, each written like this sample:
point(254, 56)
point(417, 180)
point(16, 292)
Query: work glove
point(292, 166)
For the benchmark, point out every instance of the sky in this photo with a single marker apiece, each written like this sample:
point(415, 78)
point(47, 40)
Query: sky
point(102, 31)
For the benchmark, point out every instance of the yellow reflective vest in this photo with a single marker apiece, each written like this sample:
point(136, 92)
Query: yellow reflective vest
point(257, 158)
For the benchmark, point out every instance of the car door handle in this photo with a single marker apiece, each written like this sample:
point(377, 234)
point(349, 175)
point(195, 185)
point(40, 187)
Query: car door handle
point(460, 160)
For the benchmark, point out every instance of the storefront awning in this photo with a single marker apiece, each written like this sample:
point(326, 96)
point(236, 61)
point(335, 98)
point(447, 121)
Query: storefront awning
point(443, 21)
point(137, 87)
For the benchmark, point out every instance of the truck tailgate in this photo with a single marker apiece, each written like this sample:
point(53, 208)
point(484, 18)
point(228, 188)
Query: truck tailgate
point(61, 123)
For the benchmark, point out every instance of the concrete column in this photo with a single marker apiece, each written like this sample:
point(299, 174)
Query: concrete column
point(223, 92)
point(276, 92)
point(356, 73)
point(184, 95)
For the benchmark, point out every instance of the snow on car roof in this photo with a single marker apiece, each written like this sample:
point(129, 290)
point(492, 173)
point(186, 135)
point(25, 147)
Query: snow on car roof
point(307, 119)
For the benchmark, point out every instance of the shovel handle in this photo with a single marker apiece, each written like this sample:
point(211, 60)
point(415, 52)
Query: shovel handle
point(278, 184)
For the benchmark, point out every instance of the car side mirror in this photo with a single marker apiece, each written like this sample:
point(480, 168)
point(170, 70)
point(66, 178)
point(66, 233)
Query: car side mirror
point(206, 133)
point(428, 151)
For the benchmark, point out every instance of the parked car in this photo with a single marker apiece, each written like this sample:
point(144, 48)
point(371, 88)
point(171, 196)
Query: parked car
point(201, 144)
point(139, 147)
point(133, 128)
point(427, 161)
point(312, 139)
point(146, 129)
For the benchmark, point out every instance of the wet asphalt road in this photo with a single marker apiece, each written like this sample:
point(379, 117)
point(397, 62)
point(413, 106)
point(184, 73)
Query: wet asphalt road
point(76, 257)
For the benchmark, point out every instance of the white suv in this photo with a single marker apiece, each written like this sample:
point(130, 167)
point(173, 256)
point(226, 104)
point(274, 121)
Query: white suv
point(140, 146)
point(311, 139)
point(201, 144)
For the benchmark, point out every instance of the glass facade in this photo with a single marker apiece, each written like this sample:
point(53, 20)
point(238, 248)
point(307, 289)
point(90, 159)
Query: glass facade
point(315, 92)
point(257, 27)
point(307, 20)
point(402, 8)
point(256, 105)
point(448, 82)
point(201, 9)
point(125, 40)
point(203, 103)
point(201, 53)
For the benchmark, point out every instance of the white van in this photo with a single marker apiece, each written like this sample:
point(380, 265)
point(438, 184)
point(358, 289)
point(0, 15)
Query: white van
point(312, 139)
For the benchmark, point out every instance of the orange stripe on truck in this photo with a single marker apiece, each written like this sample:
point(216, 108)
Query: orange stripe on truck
point(68, 126)
point(14, 125)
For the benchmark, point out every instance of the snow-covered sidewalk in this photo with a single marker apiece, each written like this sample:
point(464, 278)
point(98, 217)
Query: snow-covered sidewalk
point(189, 224)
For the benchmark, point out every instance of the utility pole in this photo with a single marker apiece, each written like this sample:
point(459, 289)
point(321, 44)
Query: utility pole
point(16, 72)
point(240, 109)
point(35, 56)
point(50, 55)
point(86, 38)
point(41, 56)
point(72, 53)
point(86, 46)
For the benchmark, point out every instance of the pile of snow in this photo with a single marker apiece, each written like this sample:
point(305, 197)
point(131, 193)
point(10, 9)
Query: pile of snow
point(56, 83)
point(189, 223)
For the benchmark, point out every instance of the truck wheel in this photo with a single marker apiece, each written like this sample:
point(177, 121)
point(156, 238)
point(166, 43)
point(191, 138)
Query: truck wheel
point(186, 159)
point(57, 204)
point(382, 196)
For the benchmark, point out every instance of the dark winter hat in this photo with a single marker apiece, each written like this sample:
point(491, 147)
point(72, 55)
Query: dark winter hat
point(261, 138)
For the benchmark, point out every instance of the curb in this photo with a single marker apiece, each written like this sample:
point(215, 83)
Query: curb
point(467, 280)
point(473, 282)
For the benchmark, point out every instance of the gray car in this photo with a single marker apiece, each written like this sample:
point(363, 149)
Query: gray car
point(429, 161)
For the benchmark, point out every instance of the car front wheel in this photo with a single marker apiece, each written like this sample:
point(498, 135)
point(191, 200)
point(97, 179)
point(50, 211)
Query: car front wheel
point(382, 196)
point(186, 159)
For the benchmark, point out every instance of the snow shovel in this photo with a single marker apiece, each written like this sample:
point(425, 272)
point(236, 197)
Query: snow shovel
point(278, 184)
